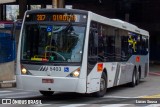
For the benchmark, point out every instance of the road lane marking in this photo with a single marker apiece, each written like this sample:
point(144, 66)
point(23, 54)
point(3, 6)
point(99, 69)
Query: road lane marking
point(22, 96)
point(152, 96)
point(122, 96)
point(40, 105)
point(117, 97)
point(154, 73)
point(153, 105)
point(5, 91)
point(116, 105)
point(19, 93)
point(74, 105)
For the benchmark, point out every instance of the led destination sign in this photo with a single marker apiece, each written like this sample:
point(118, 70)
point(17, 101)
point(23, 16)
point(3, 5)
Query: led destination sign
point(64, 17)
point(60, 17)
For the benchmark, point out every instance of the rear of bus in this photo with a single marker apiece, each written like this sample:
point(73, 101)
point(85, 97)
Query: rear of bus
point(50, 52)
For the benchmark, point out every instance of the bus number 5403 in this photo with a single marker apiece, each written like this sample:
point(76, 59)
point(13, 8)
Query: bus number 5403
point(55, 68)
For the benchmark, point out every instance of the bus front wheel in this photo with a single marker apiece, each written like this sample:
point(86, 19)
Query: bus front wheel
point(46, 93)
point(103, 86)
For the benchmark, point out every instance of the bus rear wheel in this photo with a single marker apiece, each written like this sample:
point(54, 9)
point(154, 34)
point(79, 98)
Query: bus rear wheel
point(133, 83)
point(103, 86)
point(138, 78)
point(46, 93)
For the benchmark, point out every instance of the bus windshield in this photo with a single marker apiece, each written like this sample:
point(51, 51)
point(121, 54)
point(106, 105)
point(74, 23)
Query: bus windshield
point(52, 41)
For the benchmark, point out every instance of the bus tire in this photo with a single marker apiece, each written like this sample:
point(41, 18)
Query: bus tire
point(134, 78)
point(138, 78)
point(103, 86)
point(46, 93)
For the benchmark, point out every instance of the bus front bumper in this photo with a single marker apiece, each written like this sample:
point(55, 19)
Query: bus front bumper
point(60, 84)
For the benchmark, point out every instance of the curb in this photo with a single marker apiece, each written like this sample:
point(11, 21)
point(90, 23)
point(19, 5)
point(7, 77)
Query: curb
point(154, 73)
point(7, 84)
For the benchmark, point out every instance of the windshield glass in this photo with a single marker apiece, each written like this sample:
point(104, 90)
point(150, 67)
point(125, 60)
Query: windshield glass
point(52, 42)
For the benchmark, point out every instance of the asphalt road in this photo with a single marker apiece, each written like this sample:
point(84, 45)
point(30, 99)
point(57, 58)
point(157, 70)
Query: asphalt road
point(121, 96)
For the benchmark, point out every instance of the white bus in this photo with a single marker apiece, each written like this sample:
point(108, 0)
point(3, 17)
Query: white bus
point(69, 50)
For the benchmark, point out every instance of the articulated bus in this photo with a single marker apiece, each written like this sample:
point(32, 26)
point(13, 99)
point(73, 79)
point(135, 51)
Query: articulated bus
point(70, 50)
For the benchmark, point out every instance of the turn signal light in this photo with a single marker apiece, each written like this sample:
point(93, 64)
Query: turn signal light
point(100, 67)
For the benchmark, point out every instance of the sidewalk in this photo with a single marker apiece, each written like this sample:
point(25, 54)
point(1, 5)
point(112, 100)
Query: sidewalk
point(154, 69)
point(7, 74)
point(8, 84)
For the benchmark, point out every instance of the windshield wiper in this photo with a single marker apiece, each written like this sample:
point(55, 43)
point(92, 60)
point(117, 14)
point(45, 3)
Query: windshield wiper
point(68, 27)
point(37, 22)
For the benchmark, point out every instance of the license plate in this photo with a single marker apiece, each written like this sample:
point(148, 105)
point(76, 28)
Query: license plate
point(47, 81)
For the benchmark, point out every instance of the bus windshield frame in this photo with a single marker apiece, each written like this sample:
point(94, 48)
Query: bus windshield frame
point(59, 40)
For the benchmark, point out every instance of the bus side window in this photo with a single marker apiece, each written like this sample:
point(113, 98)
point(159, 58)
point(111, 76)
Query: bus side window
point(147, 45)
point(124, 45)
point(107, 42)
point(100, 41)
point(144, 45)
point(93, 44)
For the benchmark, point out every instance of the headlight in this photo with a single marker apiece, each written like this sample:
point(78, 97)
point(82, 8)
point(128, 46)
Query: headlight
point(75, 73)
point(24, 70)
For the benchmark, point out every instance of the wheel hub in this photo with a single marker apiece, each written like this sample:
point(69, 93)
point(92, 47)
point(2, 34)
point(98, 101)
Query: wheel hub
point(102, 84)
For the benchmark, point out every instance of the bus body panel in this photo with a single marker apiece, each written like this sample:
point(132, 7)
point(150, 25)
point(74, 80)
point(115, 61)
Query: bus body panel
point(93, 79)
point(125, 75)
point(39, 72)
point(61, 84)
point(118, 73)
point(50, 70)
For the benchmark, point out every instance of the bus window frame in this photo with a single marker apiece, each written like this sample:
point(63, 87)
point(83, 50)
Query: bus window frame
point(57, 23)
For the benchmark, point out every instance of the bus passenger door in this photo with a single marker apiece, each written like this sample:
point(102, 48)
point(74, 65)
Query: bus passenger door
point(93, 77)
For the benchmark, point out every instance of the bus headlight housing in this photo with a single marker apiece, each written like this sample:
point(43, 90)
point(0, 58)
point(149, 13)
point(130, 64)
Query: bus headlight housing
point(75, 73)
point(24, 71)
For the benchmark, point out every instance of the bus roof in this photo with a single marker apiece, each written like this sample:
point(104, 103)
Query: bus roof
point(63, 10)
point(117, 23)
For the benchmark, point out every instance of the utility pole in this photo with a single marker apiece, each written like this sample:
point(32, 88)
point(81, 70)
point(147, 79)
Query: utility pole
point(23, 8)
point(61, 4)
point(4, 12)
point(54, 3)
point(58, 3)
